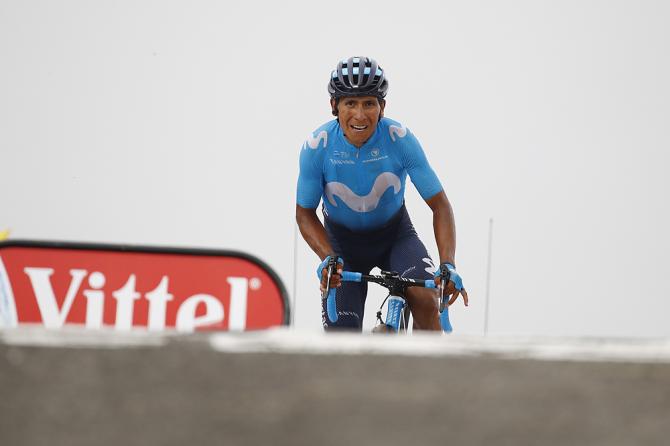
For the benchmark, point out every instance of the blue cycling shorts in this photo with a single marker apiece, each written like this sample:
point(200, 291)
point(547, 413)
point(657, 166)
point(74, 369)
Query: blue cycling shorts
point(393, 247)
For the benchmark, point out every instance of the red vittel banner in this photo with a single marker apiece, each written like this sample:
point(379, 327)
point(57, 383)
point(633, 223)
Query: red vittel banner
point(108, 286)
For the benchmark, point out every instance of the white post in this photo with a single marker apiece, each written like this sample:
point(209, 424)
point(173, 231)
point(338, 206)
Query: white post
point(295, 273)
point(488, 278)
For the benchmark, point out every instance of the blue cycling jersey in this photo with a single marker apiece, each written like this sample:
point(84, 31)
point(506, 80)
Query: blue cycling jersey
point(362, 188)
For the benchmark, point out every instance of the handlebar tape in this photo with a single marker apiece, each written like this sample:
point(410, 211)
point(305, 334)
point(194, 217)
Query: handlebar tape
point(349, 276)
point(444, 321)
point(330, 305)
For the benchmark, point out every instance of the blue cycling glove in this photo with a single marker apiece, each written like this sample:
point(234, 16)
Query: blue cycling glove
point(323, 265)
point(453, 275)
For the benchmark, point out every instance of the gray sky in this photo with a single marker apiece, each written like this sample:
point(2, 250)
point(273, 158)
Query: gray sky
point(180, 123)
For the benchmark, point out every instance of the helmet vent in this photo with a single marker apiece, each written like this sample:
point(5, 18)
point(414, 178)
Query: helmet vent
point(358, 76)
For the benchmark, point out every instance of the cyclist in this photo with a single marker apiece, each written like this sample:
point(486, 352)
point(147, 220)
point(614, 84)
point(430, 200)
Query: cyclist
point(357, 164)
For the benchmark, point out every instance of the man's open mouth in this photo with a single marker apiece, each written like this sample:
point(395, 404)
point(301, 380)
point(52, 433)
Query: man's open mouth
point(359, 127)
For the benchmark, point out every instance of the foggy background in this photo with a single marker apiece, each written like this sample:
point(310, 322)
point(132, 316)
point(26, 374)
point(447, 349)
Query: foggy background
point(180, 124)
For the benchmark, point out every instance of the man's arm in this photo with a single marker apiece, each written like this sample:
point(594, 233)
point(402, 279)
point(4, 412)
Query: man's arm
point(316, 237)
point(444, 227)
point(313, 231)
point(445, 237)
point(429, 187)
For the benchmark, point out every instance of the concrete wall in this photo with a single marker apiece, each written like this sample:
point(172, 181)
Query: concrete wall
point(184, 392)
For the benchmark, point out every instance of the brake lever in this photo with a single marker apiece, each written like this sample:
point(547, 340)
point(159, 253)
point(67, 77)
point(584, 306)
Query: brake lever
point(331, 268)
point(445, 275)
point(331, 308)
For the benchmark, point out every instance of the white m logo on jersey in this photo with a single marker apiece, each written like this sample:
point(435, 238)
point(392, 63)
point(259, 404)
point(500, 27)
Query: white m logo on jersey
point(367, 202)
point(396, 131)
point(313, 142)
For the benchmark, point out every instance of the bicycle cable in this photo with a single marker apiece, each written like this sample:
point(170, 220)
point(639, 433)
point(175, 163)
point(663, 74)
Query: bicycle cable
point(379, 312)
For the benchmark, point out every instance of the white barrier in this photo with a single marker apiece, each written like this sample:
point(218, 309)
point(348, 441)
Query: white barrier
point(290, 341)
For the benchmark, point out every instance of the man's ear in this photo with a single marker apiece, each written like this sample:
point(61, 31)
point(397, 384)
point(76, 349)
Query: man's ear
point(382, 104)
point(333, 106)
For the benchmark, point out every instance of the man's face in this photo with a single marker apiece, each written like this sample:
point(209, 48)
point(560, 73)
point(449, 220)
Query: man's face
point(358, 117)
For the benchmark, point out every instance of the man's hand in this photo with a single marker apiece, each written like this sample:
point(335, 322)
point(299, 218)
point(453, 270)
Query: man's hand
point(455, 286)
point(335, 279)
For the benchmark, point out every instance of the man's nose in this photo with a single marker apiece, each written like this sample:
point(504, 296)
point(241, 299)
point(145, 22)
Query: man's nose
point(358, 112)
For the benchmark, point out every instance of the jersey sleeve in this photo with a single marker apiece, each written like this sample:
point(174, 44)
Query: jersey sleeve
point(422, 175)
point(310, 179)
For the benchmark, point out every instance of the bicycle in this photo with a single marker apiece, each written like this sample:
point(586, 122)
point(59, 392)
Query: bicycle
point(397, 314)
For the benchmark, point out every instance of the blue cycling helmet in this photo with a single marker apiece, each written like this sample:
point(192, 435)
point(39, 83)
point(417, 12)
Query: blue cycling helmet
point(358, 76)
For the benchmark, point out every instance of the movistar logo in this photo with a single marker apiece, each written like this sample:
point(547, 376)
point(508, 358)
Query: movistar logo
point(367, 202)
point(313, 141)
point(430, 269)
point(396, 131)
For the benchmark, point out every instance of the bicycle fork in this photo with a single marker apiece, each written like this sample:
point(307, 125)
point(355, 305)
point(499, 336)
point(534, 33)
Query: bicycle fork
point(395, 313)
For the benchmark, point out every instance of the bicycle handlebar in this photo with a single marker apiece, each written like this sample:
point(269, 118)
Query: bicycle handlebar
point(394, 283)
point(386, 280)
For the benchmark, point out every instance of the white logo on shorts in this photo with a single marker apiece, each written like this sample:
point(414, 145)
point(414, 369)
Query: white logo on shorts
point(430, 269)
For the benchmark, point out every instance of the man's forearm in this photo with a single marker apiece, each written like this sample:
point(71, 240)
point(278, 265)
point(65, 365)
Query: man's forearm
point(444, 227)
point(313, 231)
